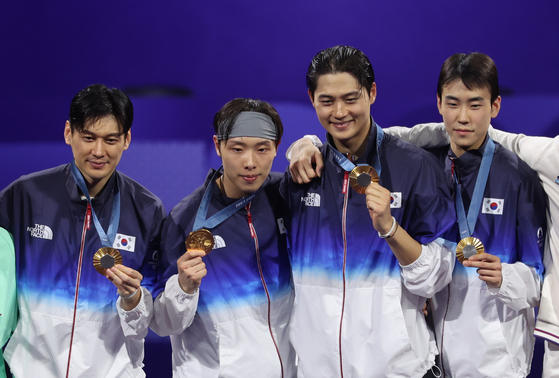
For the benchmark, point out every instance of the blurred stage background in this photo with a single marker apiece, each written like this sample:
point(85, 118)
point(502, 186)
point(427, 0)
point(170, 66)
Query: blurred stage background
point(180, 61)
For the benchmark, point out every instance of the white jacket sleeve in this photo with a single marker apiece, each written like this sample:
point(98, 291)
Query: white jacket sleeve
point(520, 288)
point(134, 324)
point(431, 272)
point(424, 135)
point(174, 309)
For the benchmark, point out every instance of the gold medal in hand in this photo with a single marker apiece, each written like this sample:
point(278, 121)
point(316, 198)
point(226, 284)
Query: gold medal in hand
point(361, 176)
point(468, 247)
point(200, 239)
point(105, 258)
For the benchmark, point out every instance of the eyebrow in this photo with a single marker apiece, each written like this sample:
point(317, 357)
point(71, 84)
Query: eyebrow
point(473, 99)
point(350, 94)
point(106, 136)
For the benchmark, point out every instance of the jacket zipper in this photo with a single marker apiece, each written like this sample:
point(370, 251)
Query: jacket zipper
point(345, 189)
point(86, 226)
point(255, 237)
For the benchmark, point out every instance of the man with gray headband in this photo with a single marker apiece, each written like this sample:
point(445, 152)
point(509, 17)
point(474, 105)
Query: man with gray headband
point(227, 300)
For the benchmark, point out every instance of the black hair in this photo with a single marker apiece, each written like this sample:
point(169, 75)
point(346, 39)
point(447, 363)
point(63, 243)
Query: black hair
point(96, 102)
point(339, 59)
point(475, 70)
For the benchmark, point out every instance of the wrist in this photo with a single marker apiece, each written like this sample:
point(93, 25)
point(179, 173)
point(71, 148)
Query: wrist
point(391, 231)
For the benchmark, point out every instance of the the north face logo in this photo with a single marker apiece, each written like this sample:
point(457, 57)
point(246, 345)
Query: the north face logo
point(312, 199)
point(40, 231)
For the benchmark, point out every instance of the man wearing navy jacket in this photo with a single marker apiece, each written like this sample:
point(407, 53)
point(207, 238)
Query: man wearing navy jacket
point(72, 322)
point(364, 260)
point(228, 310)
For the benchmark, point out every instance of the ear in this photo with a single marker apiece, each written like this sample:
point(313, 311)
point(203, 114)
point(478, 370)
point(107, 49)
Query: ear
point(311, 97)
point(127, 140)
point(439, 104)
point(495, 107)
point(216, 145)
point(373, 94)
point(68, 133)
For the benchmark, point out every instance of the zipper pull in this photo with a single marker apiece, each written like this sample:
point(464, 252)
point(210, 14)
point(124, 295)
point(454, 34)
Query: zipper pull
point(346, 182)
point(88, 217)
point(249, 218)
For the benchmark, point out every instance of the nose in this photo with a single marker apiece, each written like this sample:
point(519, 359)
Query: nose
point(340, 110)
point(463, 115)
point(249, 160)
point(98, 148)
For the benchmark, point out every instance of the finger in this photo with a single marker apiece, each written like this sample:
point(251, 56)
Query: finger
point(122, 279)
point(191, 254)
point(294, 173)
point(129, 271)
point(319, 163)
point(487, 257)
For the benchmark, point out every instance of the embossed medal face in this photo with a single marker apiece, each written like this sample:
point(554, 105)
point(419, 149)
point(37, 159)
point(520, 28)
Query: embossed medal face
point(105, 258)
point(361, 176)
point(201, 239)
point(468, 247)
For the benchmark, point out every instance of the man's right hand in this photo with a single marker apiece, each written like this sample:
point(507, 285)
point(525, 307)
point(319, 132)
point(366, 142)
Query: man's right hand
point(191, 270)
point(303, 155)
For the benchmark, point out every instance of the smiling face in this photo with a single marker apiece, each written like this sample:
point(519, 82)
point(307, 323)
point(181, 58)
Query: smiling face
point(343, 108)
point(466, 114)
point(247, 162)
point(97, 151)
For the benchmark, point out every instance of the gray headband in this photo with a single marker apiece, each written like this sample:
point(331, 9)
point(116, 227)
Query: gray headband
point(252, 124)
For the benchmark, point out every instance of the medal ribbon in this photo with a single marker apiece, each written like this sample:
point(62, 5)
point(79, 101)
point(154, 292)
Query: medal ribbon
point(467, 224)
point(222, 215)
point(347, 165)
point(107, 239)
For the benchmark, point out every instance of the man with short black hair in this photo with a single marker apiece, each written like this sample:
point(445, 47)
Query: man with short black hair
point(69, 224)
point(361, 287)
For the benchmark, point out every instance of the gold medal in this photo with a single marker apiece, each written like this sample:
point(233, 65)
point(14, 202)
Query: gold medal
point(201, 239)
point(361, 176)
point(468, 247)
point(105, 258)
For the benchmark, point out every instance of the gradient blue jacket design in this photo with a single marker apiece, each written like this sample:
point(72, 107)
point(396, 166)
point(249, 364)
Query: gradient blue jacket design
point(358, 311)
point(488, 332)
point(46, 214)
point(226, 327)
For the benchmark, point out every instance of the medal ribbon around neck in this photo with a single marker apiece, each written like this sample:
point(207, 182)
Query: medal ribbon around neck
point(223, 214)
point(348, 166)
point(107, 239)
point(467, 224)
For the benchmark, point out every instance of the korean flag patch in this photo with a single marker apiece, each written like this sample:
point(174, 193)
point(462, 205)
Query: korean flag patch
point(493, 206)
point(395, 200)
point(124, 242)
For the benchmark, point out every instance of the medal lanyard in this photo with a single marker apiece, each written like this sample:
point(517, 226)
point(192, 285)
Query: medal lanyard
point(222, 215)
point(467, 224)
point(107, 239)
point(347, 165)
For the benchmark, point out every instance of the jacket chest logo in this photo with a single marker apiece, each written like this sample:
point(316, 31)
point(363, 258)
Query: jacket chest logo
point(40, 231)
point(125, 242)
point(395, 200)
point(493, 206)
point(312, 199)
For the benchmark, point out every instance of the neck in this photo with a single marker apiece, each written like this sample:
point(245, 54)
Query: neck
point(355, 146)
point(95, 188)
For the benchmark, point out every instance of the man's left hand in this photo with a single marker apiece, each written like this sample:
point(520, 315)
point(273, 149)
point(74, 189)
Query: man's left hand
point(127, 282)
point(488, 267)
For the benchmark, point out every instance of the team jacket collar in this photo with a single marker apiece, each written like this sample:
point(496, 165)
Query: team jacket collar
point(470, 161)
point(106, 193)
point(370, 151)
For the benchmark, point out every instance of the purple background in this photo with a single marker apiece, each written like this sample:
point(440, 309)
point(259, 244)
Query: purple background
point(219, 50)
